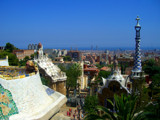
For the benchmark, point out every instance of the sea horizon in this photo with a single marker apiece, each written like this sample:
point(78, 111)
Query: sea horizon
point(100, 48)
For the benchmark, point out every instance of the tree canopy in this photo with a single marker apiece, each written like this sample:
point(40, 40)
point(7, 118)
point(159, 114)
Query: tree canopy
point(90, 104)
point(73, 73)
point(67, 58)
point(153, 70)
point(10, 47)
point(12, 59)
point(23, 62)
point(104, 74)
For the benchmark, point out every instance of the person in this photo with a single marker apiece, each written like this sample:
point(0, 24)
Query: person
point(67, 113)
point(74, 116)
point(82, 115)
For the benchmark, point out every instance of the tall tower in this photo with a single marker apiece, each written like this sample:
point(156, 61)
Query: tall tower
point(136, 75)
point(137, 69)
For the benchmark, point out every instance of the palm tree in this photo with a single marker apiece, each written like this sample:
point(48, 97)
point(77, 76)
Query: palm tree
point(126, 109)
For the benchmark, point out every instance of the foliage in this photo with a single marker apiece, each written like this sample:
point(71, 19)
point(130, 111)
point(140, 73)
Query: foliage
point(32, 56)
point(23, 62)
point(124, 66)
point(99, 66)
point(152, 110)
point(73, 73)
point(126, 109)
point(45, 81)
point(110, 65)
point(67, 58)
point(96, 116)
point(10, 47)
point(103, 74)
point(155, 81)
point(62, 67)
point(12, 59)
point(90, 104)
point(150, 67)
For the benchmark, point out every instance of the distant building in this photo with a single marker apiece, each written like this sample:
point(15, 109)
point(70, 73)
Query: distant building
point(75, 55)
point(59, 59)
point(91, 72)
point(122, 59)
point(2, 47)
point(58, 52)
point(21, 54)
point(32, 47)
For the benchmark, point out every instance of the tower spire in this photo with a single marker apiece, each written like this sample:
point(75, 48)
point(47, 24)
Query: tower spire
point(137, 69)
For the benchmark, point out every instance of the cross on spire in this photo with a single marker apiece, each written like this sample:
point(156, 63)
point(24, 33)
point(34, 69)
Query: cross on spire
point(137, 21)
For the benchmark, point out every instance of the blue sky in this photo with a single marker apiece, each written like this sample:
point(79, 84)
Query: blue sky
point(79, 23)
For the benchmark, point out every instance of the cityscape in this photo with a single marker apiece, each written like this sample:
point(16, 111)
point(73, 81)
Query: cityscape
point(79, 60)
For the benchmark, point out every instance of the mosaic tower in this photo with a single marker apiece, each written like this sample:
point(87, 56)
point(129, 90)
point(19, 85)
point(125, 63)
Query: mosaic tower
point(136, 76)
point(137, 69)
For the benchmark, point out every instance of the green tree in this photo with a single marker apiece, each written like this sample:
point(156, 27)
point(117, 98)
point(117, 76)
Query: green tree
point(10, 47)
point(45, 81)
point(103, 74)
point(151, 68)
point(12, 59)
point(67, 58)
point(24, 61)
point(155, 81)
point(32, 56)
point(62, 67)
point(73, 73)
point(90, 104)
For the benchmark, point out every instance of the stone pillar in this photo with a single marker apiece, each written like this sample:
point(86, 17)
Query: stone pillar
point(61, 87)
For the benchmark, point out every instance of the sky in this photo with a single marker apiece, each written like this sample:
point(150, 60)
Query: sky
point(79, 23)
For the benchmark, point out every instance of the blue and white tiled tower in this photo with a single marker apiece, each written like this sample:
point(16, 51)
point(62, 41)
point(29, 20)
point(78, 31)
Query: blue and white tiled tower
point(137, 69)
point(137, 77)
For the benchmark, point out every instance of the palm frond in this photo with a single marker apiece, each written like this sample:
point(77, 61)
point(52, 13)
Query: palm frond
point(93, 117)
point(107, 112)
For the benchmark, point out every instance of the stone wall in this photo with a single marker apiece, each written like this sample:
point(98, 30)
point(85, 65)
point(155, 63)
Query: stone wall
point(60, 86)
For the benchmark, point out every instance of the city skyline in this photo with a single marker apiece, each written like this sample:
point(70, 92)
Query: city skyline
point(78, 24)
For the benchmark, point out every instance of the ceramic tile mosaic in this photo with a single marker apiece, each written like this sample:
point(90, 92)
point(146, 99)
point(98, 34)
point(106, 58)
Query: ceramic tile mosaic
point(7, 105)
